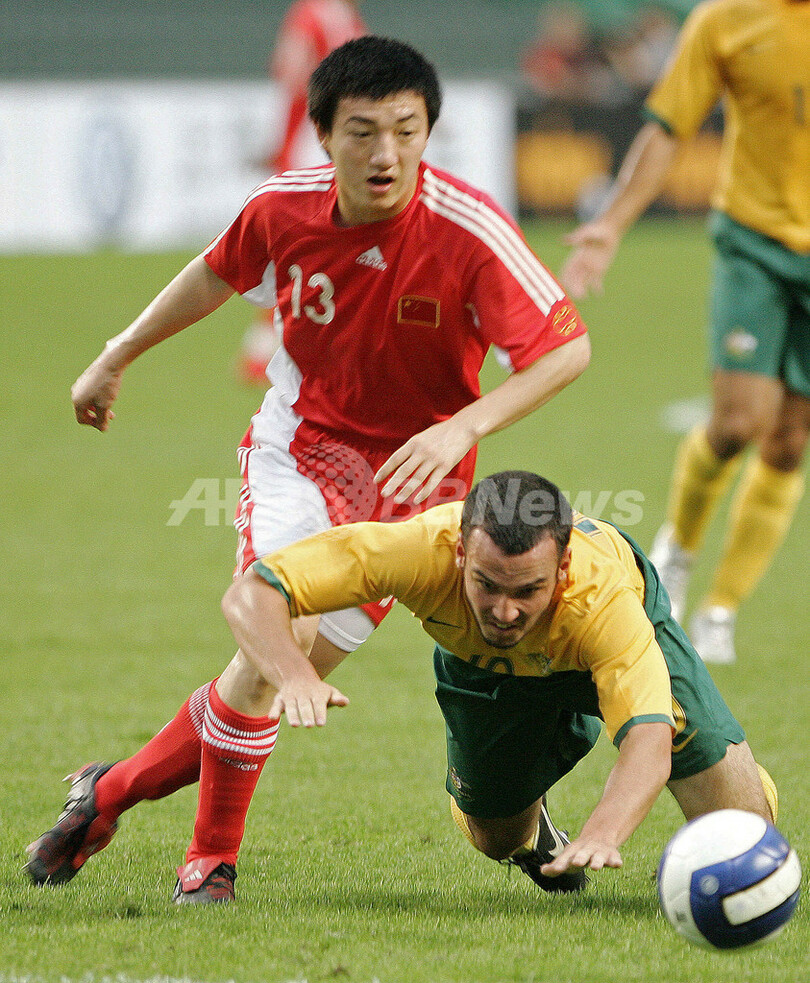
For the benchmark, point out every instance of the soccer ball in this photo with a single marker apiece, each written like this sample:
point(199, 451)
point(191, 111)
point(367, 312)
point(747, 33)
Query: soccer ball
point(728, 879)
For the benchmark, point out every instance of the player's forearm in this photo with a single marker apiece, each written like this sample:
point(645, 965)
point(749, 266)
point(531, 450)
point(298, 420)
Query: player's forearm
point(259, 617)
point(526, 390)
point(641, 176)
point(194, 293)
point(635, 782)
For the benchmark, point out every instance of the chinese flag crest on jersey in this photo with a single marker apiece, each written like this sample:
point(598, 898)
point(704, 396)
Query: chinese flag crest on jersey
point(418, 310)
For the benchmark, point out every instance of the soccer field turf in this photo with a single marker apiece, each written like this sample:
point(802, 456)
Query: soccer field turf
point(352, 868)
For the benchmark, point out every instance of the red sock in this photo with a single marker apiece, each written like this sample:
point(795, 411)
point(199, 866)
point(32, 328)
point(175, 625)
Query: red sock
point(171, 760)
point(234, 750)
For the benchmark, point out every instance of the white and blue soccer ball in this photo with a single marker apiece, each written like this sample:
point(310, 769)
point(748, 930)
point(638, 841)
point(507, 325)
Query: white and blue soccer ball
point(728, 879)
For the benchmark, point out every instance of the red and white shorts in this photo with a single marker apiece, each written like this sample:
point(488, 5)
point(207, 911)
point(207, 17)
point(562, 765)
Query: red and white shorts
point(298, 480)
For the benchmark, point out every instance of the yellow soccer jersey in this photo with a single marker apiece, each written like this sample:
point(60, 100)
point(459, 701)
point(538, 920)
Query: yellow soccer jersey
point(596, 624)
point(756, 55)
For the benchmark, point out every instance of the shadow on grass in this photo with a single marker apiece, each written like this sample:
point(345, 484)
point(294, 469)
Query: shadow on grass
point(36, 905)
point(456, 903)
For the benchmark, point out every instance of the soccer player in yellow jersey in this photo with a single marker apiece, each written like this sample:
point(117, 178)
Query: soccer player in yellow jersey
point(546, 623)
point(755, 55)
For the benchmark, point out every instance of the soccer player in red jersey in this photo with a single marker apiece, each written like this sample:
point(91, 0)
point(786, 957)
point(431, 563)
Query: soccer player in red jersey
point(390, 280)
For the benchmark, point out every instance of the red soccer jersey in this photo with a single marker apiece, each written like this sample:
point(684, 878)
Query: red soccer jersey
point(388, 323)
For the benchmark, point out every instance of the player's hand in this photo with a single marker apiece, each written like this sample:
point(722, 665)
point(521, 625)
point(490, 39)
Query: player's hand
point(418, 467)
point(94, 392)
point(305, 702)
point(595, 244)
point(584, 852)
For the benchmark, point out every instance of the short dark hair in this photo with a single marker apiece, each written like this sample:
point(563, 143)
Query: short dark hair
point(516, 509)
point(371, 67)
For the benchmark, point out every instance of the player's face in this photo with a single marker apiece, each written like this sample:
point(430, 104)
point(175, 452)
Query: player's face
point(376, 147)
point(509, 594)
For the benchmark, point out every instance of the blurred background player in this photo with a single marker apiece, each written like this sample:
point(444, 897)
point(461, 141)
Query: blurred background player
point(756, 55)
point(392, 280)
point(564, 61)
point(309, 31)
point(639, 51)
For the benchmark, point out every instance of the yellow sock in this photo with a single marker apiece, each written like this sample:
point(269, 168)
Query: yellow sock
point(761, 513)
point(699, 480)
point(461, 820)
point(771, 794)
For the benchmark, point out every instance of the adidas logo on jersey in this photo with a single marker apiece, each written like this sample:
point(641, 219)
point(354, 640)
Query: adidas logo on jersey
point(372, 257)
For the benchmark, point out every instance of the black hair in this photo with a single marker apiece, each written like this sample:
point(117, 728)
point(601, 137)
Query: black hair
point(516, 509)
point(374, 68)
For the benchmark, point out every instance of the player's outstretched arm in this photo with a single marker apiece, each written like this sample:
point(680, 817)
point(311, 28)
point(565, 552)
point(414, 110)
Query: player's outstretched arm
point(259, 618)
point(634, 783)
point(639, 181)
point(195, 292)
point(420, 464)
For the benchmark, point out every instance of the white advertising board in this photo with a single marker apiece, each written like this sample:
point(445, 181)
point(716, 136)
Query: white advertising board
point(164, 165)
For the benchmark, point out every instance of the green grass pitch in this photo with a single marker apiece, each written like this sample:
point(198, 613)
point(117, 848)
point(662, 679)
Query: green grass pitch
point(351, 869)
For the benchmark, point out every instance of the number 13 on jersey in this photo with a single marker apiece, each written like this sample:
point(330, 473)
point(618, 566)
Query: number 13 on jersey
point(323, 310)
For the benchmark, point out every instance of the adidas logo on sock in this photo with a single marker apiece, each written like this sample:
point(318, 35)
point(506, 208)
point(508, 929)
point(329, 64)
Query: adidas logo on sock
point(372, 257)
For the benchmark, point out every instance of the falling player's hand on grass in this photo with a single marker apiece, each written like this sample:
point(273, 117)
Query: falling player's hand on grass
point(583, 852)
point(418, 467)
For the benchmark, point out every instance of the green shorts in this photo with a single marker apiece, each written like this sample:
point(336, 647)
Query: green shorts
point(760, 306)
point(510, 738)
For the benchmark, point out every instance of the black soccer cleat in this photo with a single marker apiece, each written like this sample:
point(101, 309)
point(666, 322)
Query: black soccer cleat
point(79, 832)
point(550, 844)
point(205, 881)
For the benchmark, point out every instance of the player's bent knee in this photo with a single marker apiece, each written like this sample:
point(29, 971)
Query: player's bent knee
point(499, 838)
point(735, 425)
point(495, 847)
point(473, 831)
point(783, 456)
point(729, 435)
point(734, 782)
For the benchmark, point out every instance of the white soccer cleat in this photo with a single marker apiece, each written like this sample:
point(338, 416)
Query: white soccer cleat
point(712, 634)
point(674, 565)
